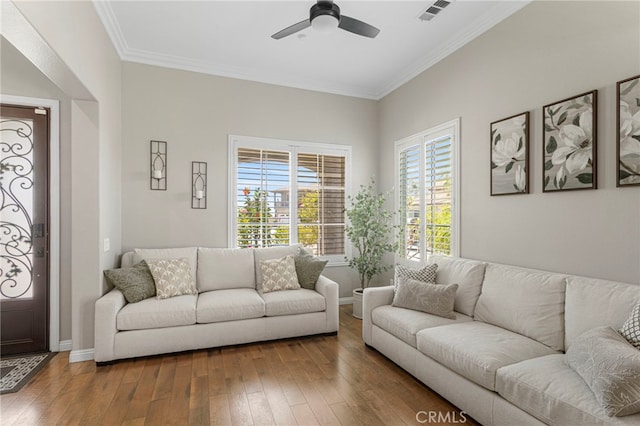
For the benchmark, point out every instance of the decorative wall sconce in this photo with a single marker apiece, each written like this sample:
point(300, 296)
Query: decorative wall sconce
point(198, 185)
point(158, 155)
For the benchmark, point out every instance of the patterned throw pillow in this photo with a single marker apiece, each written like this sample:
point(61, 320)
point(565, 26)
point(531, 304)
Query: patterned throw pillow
point(611, 367)
point(426, 274)
point(279, 274)
point(172, 277)
point(426, 297)
point(631, 328)
point(135, 283)
point(308, 269)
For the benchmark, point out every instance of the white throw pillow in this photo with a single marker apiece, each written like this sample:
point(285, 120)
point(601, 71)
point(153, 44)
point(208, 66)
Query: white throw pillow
point(631, 329)
point(279, 274)
point(276, 252)
point(172, 277)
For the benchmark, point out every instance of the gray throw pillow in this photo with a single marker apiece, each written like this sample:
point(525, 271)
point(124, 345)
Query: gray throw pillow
point(611, 368)
point(309, 268)
point(135, 282)
point(631, 328)
point(426, 274)
point(436, 299)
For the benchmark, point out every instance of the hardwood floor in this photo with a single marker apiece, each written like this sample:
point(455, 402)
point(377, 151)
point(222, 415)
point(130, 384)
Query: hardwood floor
point(307, 381)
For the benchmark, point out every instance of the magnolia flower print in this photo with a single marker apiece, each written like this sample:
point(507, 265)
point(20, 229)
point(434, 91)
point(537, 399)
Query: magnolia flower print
point(509, 155)
point(628, 92)
point(569, 144)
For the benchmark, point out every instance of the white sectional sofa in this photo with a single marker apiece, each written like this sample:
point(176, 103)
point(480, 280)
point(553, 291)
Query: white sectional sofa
point(501, 360)
point(229, 309)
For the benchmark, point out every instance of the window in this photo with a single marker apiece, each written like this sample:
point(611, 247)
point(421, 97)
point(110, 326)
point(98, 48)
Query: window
point(427, 182)
point(286, 192)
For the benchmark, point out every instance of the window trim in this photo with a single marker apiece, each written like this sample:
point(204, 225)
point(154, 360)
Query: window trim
point(452, 128)
point(293, 147)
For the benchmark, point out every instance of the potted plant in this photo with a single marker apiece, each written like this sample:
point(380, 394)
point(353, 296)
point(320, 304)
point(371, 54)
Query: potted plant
point(370, 229)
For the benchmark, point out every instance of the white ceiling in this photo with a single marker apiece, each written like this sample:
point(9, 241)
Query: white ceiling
point(233, 39)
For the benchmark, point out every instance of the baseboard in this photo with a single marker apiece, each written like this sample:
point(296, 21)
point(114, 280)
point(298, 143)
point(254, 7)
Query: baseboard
point(81, 355)
point(65, 345)
point(345, 300)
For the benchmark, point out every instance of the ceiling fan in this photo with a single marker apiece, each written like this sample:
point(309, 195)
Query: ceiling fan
point(325, 15)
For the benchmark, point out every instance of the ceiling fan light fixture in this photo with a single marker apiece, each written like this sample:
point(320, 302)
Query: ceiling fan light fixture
point(324, 23)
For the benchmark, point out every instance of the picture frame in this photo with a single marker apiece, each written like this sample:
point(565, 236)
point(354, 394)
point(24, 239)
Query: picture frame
point(509, 140)
point(628, 132)
point(569, 146)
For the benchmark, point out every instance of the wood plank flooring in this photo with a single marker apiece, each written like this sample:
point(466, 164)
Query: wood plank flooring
point(333, 380)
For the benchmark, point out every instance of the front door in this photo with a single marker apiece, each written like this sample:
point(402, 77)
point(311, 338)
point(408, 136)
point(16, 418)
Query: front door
point(24, 242)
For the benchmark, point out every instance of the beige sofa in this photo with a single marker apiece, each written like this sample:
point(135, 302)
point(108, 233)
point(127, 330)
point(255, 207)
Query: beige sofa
point(228, 310)
point(501, 360)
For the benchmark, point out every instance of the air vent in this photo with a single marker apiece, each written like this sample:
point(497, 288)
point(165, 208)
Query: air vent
point(433, 9)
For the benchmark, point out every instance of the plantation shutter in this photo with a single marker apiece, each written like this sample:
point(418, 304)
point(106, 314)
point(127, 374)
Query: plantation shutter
point(438, 195)
point(410, 201)
point(320, 205)
point(262, 197)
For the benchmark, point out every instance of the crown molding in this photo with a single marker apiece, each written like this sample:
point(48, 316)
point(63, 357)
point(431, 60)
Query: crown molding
point(484, 22)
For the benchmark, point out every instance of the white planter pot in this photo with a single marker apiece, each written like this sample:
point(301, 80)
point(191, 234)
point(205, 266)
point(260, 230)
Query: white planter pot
point(357, 303)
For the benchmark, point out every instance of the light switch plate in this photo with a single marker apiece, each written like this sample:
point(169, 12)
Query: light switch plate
point(106, 245)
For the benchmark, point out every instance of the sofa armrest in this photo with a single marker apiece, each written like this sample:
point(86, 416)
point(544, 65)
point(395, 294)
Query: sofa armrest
point(106, 312)
point(371, 299)
point(329, 289)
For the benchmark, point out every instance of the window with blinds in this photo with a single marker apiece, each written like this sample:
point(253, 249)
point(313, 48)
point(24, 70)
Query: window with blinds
point(426, 178)
point(288, 192)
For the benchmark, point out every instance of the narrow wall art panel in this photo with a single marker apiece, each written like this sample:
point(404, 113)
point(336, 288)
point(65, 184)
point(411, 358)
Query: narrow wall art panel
point(510, 155)
point(570, 136)
point(628, 132)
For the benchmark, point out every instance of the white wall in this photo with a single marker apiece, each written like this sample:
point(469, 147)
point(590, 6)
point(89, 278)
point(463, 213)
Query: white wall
point(195, 113)
point(72, 49)
point(547, 52)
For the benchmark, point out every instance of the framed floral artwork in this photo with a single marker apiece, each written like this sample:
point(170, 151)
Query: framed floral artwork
point(628, 132)
point(570, 136)
point(510, 155)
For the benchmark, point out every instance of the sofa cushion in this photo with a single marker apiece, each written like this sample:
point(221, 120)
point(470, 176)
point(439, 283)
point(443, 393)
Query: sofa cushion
point(158, 313)
point(267, 253)
point(172, 277)
point(223, 268)
point(405, 323)
point(190, 253)
point(279, 274)
point(136, 282)
point(292, 302)
point(611, 368)
point(524, 301)
point(426, 297)
point(468, 274)
point(476, 350)
point(229, 305)
point(548, 389)
point(593, 303)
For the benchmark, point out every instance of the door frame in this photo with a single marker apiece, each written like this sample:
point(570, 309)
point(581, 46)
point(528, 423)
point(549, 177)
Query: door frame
point(54, 208)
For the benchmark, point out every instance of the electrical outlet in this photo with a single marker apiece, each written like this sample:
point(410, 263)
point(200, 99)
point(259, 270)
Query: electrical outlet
point(106, 244)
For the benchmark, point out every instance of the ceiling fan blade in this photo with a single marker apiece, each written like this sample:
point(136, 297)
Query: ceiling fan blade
point(357, 27)
point(292, 29)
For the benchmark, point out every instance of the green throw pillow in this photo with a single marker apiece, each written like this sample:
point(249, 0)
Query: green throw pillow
point(136, 282)
point(308, 268)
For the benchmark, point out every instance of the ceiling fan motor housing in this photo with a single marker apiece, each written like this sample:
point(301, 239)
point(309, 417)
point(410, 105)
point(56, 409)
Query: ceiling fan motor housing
point(324, 8)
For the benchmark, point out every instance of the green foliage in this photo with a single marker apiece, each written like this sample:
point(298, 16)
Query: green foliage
point(254, 228)
point(371, 232)
point(308, 213)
